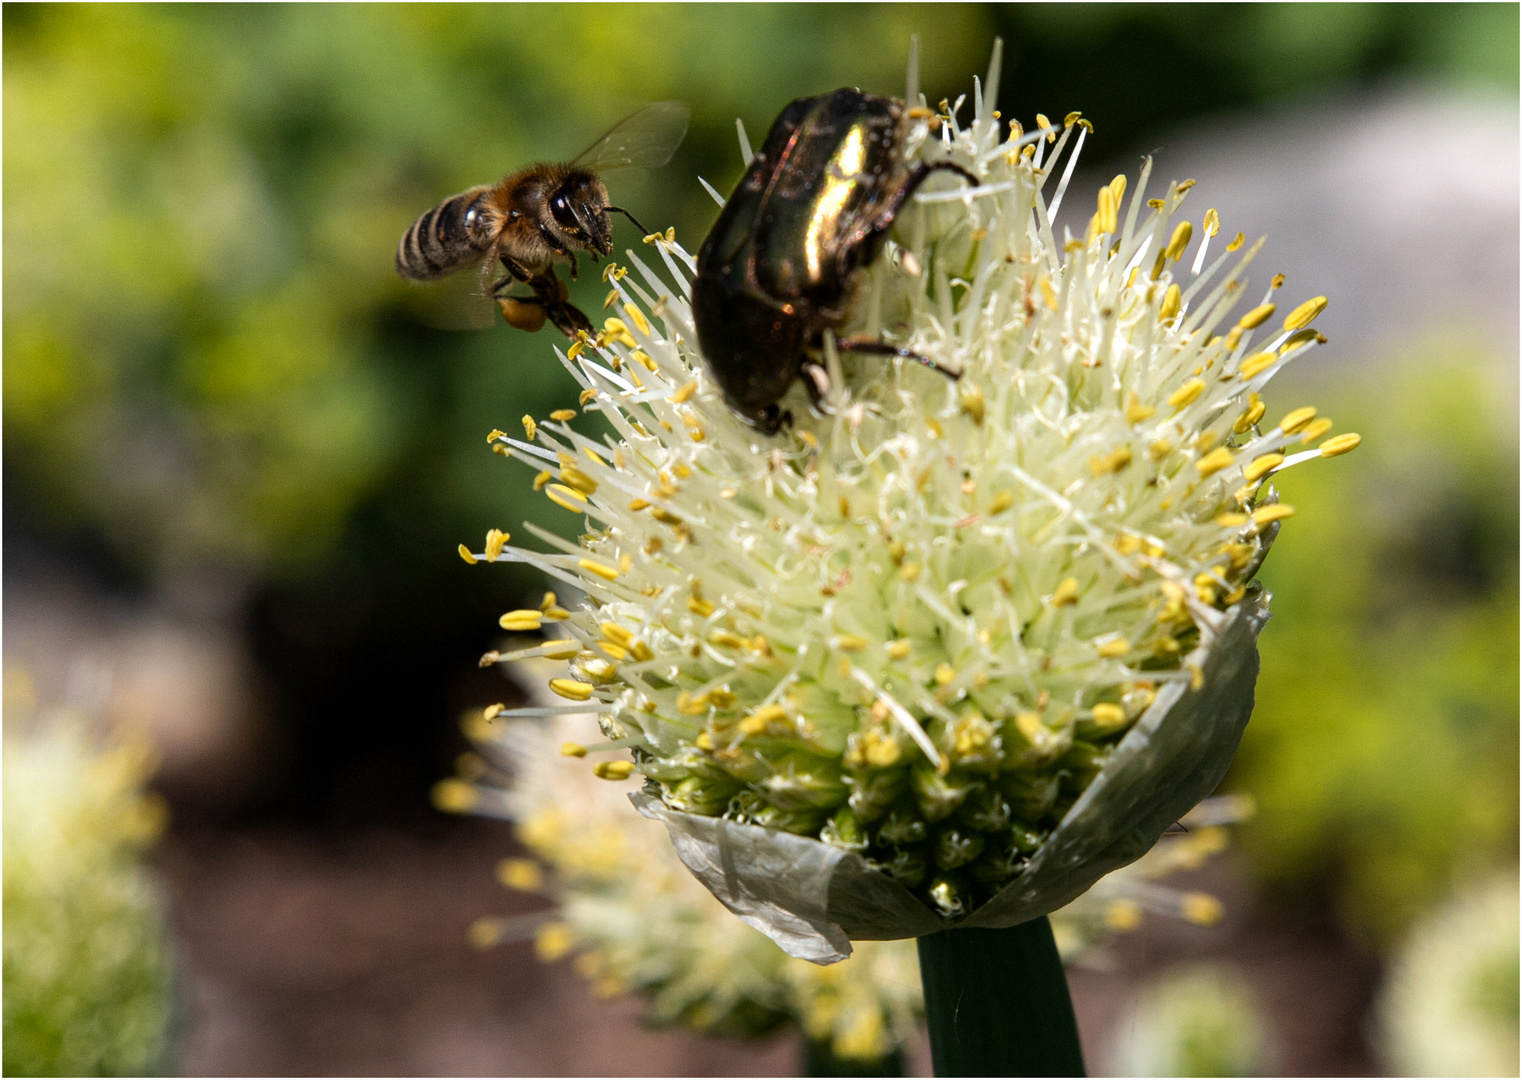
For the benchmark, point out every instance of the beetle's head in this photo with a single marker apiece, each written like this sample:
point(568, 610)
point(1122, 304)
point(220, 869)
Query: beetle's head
point(579, 214)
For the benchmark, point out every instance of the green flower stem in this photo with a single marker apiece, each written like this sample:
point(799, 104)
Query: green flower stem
point(997, 1003)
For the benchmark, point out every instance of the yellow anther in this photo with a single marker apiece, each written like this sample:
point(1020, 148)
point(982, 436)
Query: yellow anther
point(569, 498)
point(1256, 364)
point(1212, 222)
point(638, 316)
point(577, 479)
point(495, 434)
point(525, 875)
point(1257, 316)
point(1112, 648)
point(609, 300)
point(1172, 298)
point(1118, 187)
point(638, 504)
point(1122, 916)
point(496, 539)
point(556, 614)
point(522, 620)
point(1186, 185)
point(690, 704)
point(1041, 123)
point(529, 427)
point(563, 414)
point(1250, 416)
point(586, 395)
point(1339, 444)
point(1315, 429)
point(1109, 715)
point(617, 634)
point(1048, 293)
point(704, 742)
point(898, 650)
point(970, 401)
point(491, 711)
point(1136, 412)
point(1236, 243)
point(573, 689)
point(1001, 502)
point(1155, 204)
point(1231, 520)
point(639, 357)
point(1305, 314)
point(1105, 217)
point(1277, 282)
point(944, 673)
point(613, 770)
point(685, 391)
point(665, 517)
point(605, 572)
point(1112, 462)
point(1277, 512)
point(1128, 543)
point(553, 941)
point(1296, 419)
point(700, 607)
point(1066, 593)
point(1029, 724)
point(1202, 909)
point(618, 330)
point(851, 643)
point(1215, 461)
point(1182, 234)
point(454, 796)
point(572, 749)
point(542, 478)
point(467, 556)
point(910, 572)
point(1187, 394)
point(1261, 467)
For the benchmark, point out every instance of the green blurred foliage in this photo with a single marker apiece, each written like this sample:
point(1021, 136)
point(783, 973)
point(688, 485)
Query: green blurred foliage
point(1383, 751)
point(209, 358)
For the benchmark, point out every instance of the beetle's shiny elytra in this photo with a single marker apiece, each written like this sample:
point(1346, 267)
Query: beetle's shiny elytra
point(814, 207)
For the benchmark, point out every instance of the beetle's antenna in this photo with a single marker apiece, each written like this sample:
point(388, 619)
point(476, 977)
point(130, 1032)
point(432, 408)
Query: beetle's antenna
point(620, 210)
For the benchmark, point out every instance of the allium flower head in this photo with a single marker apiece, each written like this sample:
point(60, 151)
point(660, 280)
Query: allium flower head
point(914, 630)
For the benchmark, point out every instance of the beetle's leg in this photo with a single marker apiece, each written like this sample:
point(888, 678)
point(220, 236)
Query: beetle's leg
point(884, 220)
point(882, 348)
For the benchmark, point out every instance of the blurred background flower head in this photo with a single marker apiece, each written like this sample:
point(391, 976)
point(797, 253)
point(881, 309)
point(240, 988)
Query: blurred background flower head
point(89, 971)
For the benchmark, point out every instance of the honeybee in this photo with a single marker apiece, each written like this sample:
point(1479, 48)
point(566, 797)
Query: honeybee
point(537, 216)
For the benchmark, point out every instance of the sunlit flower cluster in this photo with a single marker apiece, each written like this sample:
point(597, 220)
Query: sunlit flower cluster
point(916, 626)
point(633, 920)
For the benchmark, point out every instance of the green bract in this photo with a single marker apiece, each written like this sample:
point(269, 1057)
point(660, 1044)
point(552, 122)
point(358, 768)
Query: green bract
point(909, 635)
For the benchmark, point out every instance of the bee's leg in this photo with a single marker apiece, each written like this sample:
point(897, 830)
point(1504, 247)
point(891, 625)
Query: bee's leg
point(882, 348)
point(568, 319)
point(516, 271)
point(573, 267)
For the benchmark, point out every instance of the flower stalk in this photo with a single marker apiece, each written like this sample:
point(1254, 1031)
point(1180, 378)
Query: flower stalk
point(997, 1003)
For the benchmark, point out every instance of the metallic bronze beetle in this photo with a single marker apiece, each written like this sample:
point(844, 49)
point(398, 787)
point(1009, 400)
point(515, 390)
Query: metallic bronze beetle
point(774, 273)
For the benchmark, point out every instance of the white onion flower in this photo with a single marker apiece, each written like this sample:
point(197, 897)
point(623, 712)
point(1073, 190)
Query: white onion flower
point(874, 665)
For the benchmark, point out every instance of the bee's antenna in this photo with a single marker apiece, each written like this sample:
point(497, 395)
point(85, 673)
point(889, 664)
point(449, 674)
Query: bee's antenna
point(620, 210)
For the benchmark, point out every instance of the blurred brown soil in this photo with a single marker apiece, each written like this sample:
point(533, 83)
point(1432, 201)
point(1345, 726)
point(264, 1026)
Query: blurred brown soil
point(347, 955)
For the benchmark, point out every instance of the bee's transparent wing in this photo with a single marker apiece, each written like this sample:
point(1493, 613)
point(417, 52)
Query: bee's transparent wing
point(645, 139)
point(461, 301)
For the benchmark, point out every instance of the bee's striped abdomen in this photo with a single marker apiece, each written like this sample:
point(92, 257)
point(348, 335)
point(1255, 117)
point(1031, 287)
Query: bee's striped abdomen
point(453, 235)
